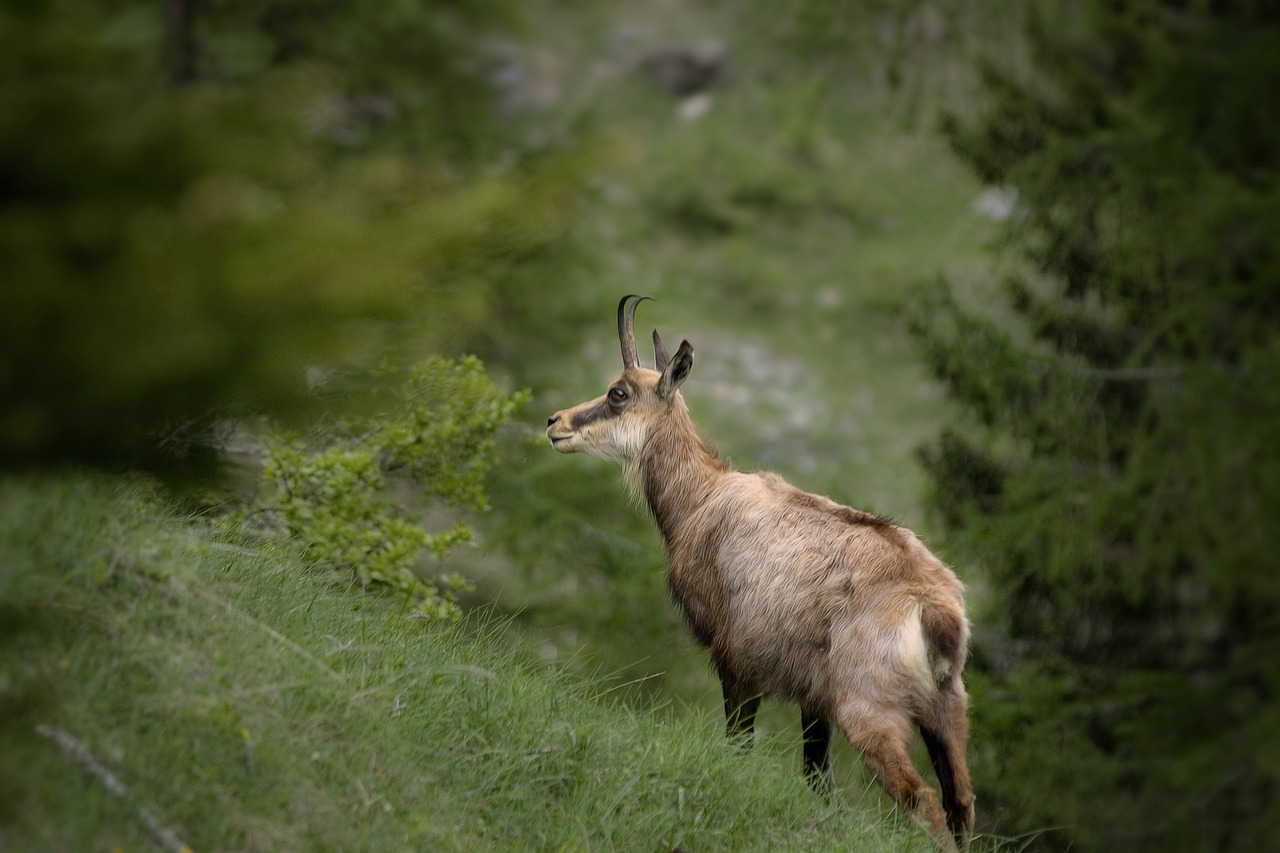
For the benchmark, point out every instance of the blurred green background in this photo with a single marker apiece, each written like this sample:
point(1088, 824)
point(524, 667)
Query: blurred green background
point(1006, 272)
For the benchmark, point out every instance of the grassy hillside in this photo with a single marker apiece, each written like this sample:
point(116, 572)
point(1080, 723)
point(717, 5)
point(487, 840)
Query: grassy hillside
point(246, 702)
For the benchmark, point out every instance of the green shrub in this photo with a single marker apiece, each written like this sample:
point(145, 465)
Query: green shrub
point(353, 495)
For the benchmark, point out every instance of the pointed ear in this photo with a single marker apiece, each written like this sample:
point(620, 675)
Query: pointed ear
point(676, 371)
point(660, 357)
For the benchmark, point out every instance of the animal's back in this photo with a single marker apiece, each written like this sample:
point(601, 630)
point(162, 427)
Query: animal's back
point(795, 588)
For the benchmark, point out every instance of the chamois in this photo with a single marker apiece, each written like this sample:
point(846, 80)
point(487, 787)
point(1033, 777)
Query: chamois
point(795, 596)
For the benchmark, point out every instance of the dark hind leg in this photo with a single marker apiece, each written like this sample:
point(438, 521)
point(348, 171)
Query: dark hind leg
point(817, 751)
point(882, 737)
point(946, 735)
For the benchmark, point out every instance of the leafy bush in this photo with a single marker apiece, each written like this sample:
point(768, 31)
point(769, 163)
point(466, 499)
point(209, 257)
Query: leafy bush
point(342, 494)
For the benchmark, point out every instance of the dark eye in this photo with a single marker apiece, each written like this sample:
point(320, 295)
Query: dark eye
point(618, 394)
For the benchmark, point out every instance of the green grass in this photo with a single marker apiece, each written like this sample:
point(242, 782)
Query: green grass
point(251, 703)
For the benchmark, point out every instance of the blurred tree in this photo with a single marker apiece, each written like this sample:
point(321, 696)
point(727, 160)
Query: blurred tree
point(320, 179)
point(906, 56)
point(1120, 479)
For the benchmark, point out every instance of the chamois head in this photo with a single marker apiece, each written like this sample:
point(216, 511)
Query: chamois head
point(616, 424)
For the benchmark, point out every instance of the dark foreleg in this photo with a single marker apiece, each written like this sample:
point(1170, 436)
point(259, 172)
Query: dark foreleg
point(739, 712)
point(817, 751)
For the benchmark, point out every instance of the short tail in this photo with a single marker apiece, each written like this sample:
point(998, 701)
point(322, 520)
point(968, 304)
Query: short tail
point(946, 633)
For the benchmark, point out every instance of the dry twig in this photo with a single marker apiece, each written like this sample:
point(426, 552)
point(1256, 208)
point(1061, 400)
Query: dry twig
point(76, 751)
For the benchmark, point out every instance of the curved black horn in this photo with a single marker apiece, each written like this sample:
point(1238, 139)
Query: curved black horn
point(626, 330)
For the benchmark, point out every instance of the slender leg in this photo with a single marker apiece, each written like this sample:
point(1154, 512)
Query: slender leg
point(882, 738)
point(946, 737)
point(817, 751)
point(740, 713)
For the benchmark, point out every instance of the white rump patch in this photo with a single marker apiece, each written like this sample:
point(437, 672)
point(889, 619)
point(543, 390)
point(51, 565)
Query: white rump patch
point(912, 649)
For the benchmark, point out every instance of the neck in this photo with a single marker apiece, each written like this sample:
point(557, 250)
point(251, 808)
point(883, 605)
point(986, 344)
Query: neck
point(677, 470)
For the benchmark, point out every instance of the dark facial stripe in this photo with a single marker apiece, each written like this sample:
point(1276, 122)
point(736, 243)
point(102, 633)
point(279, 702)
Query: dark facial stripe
point(599, 412)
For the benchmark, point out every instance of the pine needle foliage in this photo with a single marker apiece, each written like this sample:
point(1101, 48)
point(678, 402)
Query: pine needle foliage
point(203, 200)
point(1116, 479)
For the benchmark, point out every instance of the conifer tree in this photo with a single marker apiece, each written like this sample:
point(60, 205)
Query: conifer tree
point(1118, 479)
point(201, 201)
